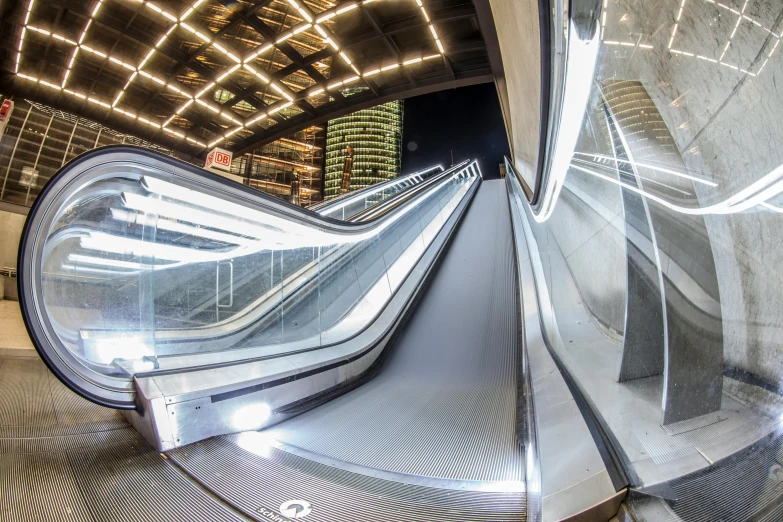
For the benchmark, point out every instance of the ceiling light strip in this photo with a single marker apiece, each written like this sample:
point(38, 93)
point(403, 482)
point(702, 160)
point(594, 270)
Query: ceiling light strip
point(303, 10)
point(438, 41)
point(225, 74)
point(81, 39)
point(79, 45)
point(299, 28)
point(158, 44)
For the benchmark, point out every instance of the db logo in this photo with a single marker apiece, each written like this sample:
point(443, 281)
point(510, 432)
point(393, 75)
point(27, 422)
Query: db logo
point(5, 109)
point(219, 159)
point(295, 508)
point(222, 159)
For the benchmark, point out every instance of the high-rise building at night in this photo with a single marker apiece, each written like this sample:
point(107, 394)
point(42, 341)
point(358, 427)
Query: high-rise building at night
point(296, 159)
point(363, 148)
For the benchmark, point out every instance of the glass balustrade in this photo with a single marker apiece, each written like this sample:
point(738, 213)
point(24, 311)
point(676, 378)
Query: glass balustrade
point(353, 203)
point(656, 246)
point(136, 263)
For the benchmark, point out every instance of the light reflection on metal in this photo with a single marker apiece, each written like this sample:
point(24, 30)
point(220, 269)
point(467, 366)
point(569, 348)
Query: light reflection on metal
point(564, 153)
point(718, 59)
point(757, 193)
point(650, 166)
point(252, 416)
point(582, 56)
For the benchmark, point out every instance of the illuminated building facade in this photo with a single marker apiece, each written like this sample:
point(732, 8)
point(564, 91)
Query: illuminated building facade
point(375, 139)
point(39, 139)
point(276, 167)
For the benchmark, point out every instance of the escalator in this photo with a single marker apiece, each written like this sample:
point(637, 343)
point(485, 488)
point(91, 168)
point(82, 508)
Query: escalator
point(432, 434)
point(596, 338)
point(364, 369)
point(138, 249)
point(453, 365)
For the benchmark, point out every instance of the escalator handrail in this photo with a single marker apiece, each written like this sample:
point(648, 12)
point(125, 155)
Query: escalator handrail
point(385, 207)
point(211, 183)
point(92, 166)
point(323, 207)
point(241, 316)
point(561, 23)
point(510, 168)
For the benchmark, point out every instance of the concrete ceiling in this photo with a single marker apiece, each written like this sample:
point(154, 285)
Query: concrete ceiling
point(194, 74)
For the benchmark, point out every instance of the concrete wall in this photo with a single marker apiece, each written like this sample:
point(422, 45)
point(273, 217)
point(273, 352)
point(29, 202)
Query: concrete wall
point(10, 231)
point(727, 127)
point(516, 22)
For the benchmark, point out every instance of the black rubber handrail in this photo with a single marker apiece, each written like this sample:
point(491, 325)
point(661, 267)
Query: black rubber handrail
point(86, 167)
point(342, 197)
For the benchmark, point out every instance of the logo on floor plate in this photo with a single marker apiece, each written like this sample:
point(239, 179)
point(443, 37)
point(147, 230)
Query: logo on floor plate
point(295, 508)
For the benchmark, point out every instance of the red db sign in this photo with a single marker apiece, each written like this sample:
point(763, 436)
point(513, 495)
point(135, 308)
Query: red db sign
point(219, 159)
point(5, 113)
point(5, 109)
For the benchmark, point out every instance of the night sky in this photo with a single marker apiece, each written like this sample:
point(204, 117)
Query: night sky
point(467, 120)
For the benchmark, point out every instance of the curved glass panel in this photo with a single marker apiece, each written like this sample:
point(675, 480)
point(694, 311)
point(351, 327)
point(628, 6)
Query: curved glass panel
point(659, 245)
point(137, 263)
point(349, 205)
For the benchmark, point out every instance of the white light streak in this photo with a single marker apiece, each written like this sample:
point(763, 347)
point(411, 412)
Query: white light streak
point(652, 167)
point(347, 8)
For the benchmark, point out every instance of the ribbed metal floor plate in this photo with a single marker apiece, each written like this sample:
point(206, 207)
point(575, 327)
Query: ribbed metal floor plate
point(744, 487)
point(257, 479)
point(64, 458)
point(34, 403)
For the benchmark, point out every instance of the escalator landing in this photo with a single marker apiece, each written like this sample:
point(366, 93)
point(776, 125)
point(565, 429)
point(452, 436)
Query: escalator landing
point(63, 458)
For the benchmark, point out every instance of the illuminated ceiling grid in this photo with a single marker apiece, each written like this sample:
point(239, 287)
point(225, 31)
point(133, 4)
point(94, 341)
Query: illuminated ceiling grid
point(233, 57)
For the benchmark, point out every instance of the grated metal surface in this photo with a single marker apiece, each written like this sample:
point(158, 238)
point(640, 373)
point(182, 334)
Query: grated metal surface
point(444, 404)
point(133, 481)
point(125, 435)
point(257, 480)
point(24, 387)
point(65, 458)
point(36, 487)
point(34, 403)
point(60, 430)
point(745, 487)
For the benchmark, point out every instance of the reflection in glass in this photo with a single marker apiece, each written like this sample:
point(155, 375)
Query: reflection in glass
point(660, 248)
point(145, 270)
